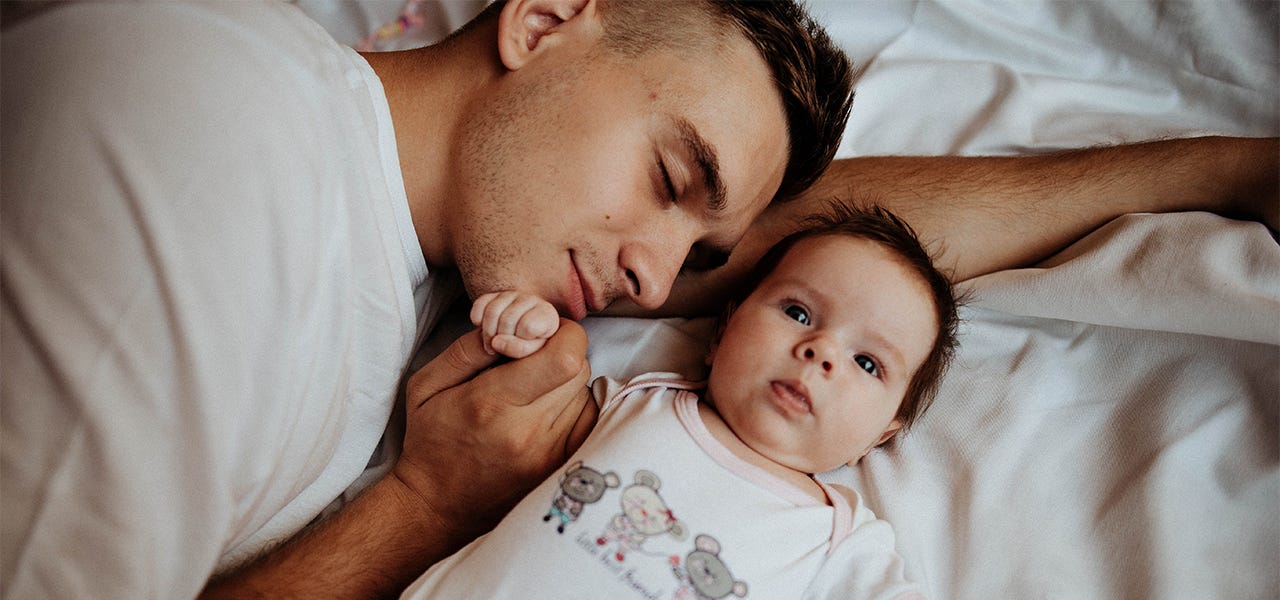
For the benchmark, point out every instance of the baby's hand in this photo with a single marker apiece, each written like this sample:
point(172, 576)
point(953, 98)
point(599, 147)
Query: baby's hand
point(514, 324)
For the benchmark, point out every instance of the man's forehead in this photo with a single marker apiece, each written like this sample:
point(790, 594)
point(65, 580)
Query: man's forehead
point(729, 115)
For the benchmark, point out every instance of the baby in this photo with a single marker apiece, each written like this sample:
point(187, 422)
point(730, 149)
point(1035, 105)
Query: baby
point(693, 490)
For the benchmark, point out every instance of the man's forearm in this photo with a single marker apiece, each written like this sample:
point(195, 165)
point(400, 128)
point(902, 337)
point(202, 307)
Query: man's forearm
point(990, 213)
point(373, 548)
point(983, 214)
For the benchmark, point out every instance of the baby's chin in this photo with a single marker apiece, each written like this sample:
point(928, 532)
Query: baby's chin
point(808, 465)
point(833, 465)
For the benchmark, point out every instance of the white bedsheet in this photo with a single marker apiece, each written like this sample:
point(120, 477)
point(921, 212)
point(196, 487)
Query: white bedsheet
point(1110, 428)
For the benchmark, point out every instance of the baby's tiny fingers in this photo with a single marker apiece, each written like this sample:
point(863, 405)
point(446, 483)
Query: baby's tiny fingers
point(509, 322)
point(478, 307)
point(516, 347)
point(491, 322)
point(541, 321)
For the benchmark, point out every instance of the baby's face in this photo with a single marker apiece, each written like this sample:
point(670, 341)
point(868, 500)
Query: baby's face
point(812, 367)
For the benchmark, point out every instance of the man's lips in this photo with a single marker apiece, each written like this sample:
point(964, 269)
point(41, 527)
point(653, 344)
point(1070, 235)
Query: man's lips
point(576, 294)
point(792, 396)
point(593, 304)
point(581, 298)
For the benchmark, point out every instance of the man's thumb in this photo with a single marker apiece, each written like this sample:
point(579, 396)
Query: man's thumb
point(459, 363)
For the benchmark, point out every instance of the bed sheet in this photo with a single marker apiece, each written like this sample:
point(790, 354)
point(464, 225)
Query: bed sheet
point(1110, 428)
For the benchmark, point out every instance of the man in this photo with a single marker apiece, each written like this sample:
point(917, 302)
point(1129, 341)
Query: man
point(219, 256)
point(212, 285)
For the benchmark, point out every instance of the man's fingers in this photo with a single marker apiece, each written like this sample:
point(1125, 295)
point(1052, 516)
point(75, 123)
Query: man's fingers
point(567, 402)
point(460, 362)
point(563, 419)
point(559, 361)
point(582, 420)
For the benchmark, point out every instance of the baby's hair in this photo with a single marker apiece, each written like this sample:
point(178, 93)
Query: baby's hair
point(878, 225)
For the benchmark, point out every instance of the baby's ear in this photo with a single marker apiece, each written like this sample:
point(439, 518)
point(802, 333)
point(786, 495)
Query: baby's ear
point(894, 427)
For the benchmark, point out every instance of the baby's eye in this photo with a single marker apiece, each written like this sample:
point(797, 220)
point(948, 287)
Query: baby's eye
point(798, 313)
point(868, 364)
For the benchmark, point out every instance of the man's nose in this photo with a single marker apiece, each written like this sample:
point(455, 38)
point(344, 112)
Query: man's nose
point(650, 269)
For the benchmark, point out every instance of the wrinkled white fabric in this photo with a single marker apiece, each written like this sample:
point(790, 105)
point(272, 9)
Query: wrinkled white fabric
point(211, 285)
point(1110, 427)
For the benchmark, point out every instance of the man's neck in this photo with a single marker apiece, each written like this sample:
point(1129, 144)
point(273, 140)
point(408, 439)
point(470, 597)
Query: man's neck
point(428, 91)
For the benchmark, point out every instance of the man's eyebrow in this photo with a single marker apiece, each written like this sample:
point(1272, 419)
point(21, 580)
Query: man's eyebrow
point(704, 158)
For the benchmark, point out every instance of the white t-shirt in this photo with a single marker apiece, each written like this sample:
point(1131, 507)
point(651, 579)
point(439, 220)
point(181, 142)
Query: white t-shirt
point(653, 506)
point(211, 289)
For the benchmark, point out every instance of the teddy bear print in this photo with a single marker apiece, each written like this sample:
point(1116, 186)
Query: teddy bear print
point(644, 515)
point(579, 486)
point(704, 575)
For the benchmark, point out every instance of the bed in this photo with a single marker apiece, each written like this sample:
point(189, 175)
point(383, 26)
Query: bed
point(1110, 428)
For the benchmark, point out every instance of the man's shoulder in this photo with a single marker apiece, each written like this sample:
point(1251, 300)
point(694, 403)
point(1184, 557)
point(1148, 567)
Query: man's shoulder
point(167, 24)
point(161, 49)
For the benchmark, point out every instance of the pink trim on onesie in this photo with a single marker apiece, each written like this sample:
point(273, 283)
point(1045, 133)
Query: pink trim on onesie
point(686, 407)
point(843, 521)
point(687, 410)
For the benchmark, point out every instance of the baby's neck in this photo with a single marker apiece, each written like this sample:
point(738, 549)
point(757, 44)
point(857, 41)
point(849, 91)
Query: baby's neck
point(721, 432)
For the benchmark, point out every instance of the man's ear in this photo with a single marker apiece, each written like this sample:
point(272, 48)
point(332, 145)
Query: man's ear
point(524, 26)
point(894, 427)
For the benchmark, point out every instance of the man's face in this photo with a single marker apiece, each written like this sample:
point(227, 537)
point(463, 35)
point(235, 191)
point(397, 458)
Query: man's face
point(590, 177)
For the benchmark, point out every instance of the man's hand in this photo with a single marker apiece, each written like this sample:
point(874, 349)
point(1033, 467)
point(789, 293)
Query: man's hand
point(513, 323)
point(476, 442)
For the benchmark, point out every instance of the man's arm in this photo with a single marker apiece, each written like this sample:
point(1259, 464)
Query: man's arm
point(983, 214)
point(372, 548)
point(474, 445)
point(987, 214)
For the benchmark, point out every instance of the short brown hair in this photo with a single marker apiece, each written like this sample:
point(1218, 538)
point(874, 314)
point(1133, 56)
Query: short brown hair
point(878, 225)
point(812, 75)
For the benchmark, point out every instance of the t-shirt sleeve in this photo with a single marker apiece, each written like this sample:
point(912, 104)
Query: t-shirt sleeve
point(99, 463)
point(129, 351)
